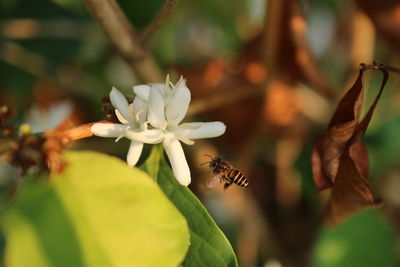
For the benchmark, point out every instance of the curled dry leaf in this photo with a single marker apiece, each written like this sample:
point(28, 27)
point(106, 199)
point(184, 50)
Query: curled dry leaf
point(340, 160)
point(329, 149)
point(351, 191)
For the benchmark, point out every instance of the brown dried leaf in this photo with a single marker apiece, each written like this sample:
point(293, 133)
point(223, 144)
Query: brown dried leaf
point(321, 180)
point(340, 160)
point(362, 127)
point(349, 108)
point(327, 152)
point(351, 191)
point(359, 154)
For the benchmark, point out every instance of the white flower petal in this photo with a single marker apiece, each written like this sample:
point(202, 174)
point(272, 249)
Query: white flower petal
point(119, 102)
point(153, 136)
point(108, 129)
point(120, 117)
point(131, 114)
point(178, 104)
point(176, 157)
point(135, 149)
point(142, 91)
point(160, 87)
point(167, 88)
point(139, 109)
point(199, 130)
point(156, 115)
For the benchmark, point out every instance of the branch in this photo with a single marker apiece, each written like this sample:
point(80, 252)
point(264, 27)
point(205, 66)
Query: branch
point(163, 14)
point(73, 134)
point(122, 35)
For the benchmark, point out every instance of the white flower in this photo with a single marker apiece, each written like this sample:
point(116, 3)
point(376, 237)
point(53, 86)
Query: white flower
point(163, 106)
point(167, 106)
point(133, 125)
point(41, 119)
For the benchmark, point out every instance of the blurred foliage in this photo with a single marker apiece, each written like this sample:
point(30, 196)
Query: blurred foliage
point(366, 239)
point(40, 9)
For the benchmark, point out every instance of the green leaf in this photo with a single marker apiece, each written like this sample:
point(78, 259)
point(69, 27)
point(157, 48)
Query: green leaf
point(208, 244)
point(365, 239)
point(98, 212)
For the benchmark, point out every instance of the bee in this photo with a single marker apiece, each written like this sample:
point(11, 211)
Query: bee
point(225, 172)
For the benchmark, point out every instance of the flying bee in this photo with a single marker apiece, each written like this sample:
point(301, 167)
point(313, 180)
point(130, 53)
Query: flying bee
point(225, 172)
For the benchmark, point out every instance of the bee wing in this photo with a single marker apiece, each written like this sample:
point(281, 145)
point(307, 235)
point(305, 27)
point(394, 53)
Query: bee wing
point(214, 180)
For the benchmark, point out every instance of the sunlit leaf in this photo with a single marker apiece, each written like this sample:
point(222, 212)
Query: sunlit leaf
point(208, 245)
point(98, 212)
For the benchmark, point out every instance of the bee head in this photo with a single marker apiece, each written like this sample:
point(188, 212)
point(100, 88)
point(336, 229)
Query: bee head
point(214, 162)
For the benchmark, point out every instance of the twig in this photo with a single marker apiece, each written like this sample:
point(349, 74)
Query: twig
point(392, 69)
point(379, 66)
point(57, 140)
point(73, 134)
point(122, 35)
point(163, 14)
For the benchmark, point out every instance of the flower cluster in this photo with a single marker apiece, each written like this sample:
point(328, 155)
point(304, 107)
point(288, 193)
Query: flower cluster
point(155, 116)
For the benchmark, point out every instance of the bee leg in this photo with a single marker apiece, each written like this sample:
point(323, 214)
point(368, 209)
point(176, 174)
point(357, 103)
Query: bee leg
point(226, 185)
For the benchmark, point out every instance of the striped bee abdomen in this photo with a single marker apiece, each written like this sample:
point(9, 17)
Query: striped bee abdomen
point(237, 177)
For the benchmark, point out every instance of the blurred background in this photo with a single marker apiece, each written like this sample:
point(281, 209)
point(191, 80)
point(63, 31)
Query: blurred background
point(272, 71)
